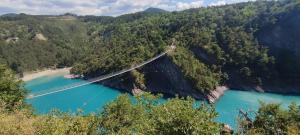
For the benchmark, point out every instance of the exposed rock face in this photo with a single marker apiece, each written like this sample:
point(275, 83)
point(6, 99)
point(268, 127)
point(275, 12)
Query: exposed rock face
point(136, 91)
point(12, 39)
point(216, 94)
point(162, 76)
point(40, 36)
point(227, 129)
point(122, 82)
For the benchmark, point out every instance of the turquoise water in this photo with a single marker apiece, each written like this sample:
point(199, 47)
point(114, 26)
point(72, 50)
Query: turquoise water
point(92, 98)
point(228, 106)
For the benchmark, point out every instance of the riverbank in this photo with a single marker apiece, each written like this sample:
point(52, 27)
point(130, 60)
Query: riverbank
point(27, 76)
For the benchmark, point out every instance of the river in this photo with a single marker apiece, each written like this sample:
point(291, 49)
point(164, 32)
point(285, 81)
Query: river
point(92, 98)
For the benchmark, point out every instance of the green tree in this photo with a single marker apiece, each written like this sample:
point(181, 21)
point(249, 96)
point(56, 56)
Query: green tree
point(272, 119)
point(12, 93)
point(203, 78)
point(58, 123)
point(139, 79)
point(147, 116)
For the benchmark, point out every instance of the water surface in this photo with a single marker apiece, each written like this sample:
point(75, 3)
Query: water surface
point(92, 98)
point(228, 106)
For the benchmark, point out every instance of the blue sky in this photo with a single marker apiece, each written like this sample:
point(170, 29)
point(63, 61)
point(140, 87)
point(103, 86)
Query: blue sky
point(101, 7)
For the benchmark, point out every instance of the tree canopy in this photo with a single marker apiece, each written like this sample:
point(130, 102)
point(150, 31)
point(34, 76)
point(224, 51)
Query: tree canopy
point(148, 116)
point(222, 43)
point(274, 120)
point(12, 93)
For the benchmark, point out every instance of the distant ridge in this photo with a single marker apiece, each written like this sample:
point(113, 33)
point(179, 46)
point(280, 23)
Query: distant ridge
point(10, 15)
point(154, 10)
point(148, 10)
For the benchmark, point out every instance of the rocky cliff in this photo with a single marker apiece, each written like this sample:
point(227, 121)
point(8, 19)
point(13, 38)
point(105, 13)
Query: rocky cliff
point(162, 76)
point(282, 39)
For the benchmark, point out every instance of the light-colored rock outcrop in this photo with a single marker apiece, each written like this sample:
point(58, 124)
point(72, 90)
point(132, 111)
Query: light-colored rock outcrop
point(216, 94)
point(136, 91)
point(12, 39)
point(40, 36)
point(71, 76)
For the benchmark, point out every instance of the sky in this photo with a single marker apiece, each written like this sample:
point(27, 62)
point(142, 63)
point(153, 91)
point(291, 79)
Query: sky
point(101, 7)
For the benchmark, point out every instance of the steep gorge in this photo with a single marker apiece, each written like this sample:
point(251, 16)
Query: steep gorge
point(243, 45)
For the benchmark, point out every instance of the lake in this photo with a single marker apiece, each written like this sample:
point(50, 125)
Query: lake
point(92, 98)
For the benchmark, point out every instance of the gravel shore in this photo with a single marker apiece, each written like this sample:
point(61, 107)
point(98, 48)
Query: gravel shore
point(36, 74)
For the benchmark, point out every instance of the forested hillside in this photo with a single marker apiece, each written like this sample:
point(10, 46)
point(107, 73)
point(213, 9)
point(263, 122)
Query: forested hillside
point(215, 46)
point(35, 42)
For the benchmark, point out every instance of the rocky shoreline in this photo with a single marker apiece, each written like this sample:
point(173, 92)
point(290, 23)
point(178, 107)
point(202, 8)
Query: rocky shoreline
point(214, 95)
point(71, 76)
point(170, 81)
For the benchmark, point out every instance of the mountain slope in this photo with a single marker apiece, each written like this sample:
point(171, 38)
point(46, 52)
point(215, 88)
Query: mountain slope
point(215, 46)
point(154, 10)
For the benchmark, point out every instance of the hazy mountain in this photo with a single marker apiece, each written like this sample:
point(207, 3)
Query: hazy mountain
point(155, 10)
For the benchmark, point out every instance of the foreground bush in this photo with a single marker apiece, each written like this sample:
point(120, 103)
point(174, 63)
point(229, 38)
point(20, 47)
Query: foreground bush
point(272, 119)
point(147, 116)
point(122, 116)
point(12, 93)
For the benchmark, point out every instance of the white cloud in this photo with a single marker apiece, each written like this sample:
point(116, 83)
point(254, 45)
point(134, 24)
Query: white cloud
point(224, 2)
point(218, 3)
point(100, 7)
point(195, 4)
point(82, 7)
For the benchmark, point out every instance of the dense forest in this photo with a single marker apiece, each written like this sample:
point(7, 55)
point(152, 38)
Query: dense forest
point(145, 115)
point(224, 45)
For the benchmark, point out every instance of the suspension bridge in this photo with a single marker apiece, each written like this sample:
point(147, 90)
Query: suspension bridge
point(100, 78)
